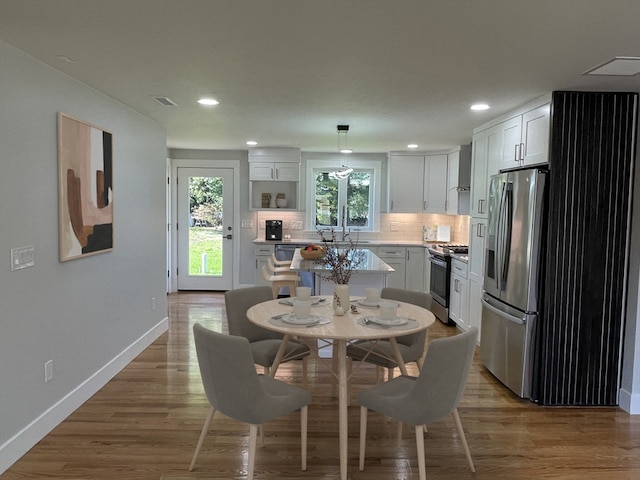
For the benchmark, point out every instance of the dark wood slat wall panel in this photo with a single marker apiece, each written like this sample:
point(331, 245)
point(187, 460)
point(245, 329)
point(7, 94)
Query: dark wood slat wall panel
point(592, 155)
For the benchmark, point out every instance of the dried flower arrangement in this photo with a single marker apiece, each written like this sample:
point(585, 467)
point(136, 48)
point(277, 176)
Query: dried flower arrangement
point(340, 261)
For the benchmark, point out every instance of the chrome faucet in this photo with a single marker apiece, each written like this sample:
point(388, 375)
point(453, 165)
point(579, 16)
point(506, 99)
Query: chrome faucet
point(343, 223)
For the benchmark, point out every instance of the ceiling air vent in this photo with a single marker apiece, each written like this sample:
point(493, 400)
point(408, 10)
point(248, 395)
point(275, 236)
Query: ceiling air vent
point(619, 66)
point(165, 101)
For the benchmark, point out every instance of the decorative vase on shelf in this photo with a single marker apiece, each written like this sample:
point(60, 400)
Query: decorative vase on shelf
point(341, 299)
point(272, 201)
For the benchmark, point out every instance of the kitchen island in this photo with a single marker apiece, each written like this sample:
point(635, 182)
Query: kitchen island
point(371, 272)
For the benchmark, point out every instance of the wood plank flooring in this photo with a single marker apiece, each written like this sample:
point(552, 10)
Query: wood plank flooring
point(145, 424)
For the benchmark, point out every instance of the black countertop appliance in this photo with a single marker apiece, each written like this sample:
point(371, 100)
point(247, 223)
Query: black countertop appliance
point(273, 230)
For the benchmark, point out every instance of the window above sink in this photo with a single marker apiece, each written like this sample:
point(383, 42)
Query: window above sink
point(348, 205)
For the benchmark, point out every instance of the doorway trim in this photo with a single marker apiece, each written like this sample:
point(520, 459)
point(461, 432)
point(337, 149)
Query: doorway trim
point(172, 223)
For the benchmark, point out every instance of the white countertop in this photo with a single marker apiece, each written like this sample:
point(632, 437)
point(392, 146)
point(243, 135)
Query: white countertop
point(361, 244)
point(370, 263)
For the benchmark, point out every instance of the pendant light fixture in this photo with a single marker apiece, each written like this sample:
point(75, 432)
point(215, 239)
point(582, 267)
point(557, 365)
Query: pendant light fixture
point(343, 130)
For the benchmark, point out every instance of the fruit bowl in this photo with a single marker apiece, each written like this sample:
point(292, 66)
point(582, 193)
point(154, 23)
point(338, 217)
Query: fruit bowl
point(314, 254)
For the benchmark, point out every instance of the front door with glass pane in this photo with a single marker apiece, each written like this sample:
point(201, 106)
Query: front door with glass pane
point(205, 228)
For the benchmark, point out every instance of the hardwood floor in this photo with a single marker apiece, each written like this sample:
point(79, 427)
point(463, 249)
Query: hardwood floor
point(145, 424)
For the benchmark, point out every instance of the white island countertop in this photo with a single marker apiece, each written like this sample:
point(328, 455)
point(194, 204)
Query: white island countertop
point(360, 244)
point(369, 263)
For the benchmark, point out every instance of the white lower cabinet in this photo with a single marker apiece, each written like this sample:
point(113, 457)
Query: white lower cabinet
point(414, 275)
point(261, 255)
point(395, 258)
point(477, 236)
point(459, 298)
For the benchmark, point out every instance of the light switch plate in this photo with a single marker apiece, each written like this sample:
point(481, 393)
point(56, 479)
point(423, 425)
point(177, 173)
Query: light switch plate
point(23, 257)
point(247, 223)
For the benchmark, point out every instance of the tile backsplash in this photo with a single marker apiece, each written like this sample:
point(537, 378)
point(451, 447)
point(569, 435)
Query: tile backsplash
point(393, 226)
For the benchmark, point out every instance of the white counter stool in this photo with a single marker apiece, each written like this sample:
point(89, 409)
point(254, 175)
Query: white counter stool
point(279, 281)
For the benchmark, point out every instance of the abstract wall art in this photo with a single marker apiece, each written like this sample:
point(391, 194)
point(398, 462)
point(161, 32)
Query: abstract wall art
point(85, 162)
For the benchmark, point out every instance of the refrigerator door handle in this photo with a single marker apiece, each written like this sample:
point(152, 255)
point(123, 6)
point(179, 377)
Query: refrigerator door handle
point(503, 235)
point(497, 311)
point(507, 226)
point(500, 236)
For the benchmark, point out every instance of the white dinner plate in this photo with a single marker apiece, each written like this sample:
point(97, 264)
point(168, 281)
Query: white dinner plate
point(367, 303)
point(394, 322)
point(291, 319)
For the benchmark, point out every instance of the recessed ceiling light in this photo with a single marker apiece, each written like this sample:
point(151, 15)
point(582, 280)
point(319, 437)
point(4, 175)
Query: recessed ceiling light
point(619, 66)
point(478, 107)
point(412, 145)
point(208, 101)
point(251, 142)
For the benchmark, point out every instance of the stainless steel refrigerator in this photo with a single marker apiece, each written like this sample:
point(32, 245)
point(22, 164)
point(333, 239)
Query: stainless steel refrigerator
point(510, 303)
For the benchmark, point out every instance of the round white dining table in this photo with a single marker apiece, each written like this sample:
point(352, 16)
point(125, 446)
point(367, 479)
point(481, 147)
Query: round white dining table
point(340, 330)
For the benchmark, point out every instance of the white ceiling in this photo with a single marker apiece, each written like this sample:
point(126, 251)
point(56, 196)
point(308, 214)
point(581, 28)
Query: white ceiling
point(286, 72)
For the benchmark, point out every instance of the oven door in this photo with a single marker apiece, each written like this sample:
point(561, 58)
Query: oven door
point(439, 287)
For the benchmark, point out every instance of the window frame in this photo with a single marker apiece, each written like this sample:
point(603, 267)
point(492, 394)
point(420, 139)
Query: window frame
point(313, 166)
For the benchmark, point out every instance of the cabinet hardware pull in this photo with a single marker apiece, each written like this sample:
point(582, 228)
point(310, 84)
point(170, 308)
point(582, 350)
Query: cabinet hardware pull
point(516, 153)
point(522, 152)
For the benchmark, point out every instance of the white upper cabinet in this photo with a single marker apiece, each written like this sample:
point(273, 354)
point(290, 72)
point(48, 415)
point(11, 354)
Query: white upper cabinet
point(435, 184)
point(478, 206)
point(406, 178)
point(536, 128)
point(273, 172)
point(487, 145)
point(509, 155)
point(417, 183)
point(525, 139)
point(516, 140)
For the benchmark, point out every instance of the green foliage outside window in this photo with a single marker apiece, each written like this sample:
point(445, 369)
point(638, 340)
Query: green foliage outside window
point(205, 201)
point(329, 191)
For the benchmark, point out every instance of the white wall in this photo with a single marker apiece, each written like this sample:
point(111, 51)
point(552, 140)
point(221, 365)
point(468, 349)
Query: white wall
point(92, 315)
point(630, 381)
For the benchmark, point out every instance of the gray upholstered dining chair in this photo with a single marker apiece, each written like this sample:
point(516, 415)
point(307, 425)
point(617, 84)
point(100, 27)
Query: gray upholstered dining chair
point(242, 394)
point(433, 395)
point(411, 346)
point(264, 343)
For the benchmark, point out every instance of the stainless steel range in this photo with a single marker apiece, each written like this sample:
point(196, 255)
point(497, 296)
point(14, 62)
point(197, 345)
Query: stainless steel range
point(440, 261)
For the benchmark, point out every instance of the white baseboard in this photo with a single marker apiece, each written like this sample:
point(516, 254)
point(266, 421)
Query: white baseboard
point(629, 402)
point(23, 441)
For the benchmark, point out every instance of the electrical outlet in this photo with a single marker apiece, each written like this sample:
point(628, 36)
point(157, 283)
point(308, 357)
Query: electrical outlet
point(153, 303)
point(394, 226)
point(48, 371)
